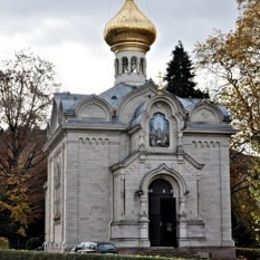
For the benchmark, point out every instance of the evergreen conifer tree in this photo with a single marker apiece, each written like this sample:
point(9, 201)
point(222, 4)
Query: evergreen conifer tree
point(180, 75)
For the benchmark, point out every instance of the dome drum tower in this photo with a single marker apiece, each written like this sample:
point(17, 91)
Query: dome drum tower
point(130, 67)
point(130, 34)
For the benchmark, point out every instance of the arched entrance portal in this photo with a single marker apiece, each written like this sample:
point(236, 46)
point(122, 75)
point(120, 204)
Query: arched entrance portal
point(162, 214)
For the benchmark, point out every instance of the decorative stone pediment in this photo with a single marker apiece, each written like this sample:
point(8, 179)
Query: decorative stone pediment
point(168, 107)
point(127, 107)
point(94, 107)
point(206, 113)
point(93, 111)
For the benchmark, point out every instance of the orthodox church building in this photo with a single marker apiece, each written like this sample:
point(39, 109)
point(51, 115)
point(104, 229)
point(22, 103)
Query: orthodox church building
point(137, 165)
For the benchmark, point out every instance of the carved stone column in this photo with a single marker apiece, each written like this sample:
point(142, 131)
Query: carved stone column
point(183, 219)
point(144, 222)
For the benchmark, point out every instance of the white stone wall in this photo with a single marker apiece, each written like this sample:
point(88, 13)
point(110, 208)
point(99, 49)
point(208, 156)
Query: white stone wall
point(213, 183)
point(54, 228)
point(104, 171)
point(89, 185)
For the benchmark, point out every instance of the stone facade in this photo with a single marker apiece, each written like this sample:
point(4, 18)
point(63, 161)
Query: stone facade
point(101, 164)
point(136, 165)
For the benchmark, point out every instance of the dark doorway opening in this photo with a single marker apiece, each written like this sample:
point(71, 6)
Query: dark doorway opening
point(162, 214)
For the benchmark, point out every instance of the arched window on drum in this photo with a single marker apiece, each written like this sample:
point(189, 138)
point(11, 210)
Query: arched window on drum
point(117, 67)
point(142, 66)
point(124, 65)
point(133, 64)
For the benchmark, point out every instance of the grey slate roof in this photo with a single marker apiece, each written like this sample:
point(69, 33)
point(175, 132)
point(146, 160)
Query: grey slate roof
point(68, 101)
point(138, 115)
point(114, 94)
point(226, 113)
point(190, 103)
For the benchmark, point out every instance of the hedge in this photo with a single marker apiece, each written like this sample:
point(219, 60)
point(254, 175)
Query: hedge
point(4, 243)
point(34, 255)
point(249, 253)
point(33, 243)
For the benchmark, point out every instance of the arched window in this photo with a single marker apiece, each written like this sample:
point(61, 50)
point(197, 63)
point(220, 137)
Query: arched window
point(117, 66)
point(124, 65)
point(142, 65)
point(133, 64)
point(159, 131)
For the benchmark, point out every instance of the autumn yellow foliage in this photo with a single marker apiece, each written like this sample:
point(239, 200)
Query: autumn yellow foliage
point(233, 59)
point(232, 62)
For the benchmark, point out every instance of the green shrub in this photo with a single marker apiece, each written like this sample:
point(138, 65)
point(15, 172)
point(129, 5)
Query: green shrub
point(250, 253)
point(33, 243)
point(33, 255)
point(4, 243)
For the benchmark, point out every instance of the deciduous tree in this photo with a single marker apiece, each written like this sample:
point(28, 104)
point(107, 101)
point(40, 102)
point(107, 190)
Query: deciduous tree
point(233, 60)
point(26, 85)
point(245, 208)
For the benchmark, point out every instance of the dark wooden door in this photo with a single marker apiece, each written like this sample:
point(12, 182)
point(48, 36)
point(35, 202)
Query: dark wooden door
point(162, 214)
point(168, 222)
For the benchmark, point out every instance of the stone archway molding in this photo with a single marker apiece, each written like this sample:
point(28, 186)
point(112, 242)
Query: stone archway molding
point(163, 170)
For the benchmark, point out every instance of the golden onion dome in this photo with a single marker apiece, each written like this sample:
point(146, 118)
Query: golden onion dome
point(130, 29)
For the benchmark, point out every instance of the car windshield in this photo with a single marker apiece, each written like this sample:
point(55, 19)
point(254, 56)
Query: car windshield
point(87, 245)
point(106, 246)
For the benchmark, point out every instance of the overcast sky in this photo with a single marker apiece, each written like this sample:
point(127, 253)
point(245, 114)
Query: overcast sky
point(69, 33)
